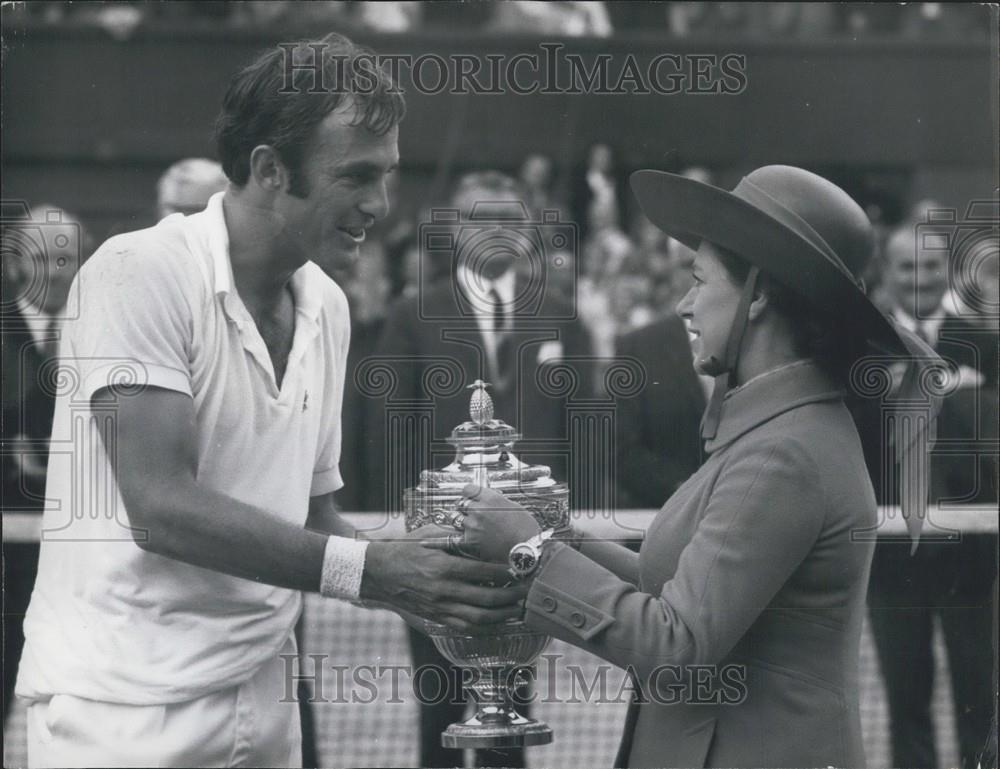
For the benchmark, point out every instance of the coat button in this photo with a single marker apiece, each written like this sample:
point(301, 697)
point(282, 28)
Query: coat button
point(549, 604)
point(577, 619)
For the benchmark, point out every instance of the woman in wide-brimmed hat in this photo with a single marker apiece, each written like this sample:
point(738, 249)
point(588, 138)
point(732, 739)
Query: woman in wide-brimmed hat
point(740, 618)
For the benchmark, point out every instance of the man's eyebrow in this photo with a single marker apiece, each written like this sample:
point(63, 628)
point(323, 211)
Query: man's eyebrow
point(365, 166)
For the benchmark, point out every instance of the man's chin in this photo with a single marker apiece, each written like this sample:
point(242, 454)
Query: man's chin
point(338, 263)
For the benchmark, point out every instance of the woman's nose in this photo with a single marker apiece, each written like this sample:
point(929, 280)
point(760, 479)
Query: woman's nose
point(684, 306)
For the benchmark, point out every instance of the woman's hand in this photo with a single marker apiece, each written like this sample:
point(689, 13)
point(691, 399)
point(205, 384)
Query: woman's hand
point(412, 576)
point(493, 524)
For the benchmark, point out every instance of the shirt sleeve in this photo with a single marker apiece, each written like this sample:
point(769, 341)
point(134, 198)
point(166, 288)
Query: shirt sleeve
point(135, 322)
point(337, 330)
point(765, 514)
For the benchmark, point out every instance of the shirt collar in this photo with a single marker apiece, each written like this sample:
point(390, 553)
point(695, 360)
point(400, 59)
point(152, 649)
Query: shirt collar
point(212, 223)
point(304, 282)
point(928, 326)
point(766, 396)
point(476, 289)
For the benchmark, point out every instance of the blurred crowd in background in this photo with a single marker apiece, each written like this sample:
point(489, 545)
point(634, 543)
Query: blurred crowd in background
point(621, 275)
point(625, 278)
point(921, 21)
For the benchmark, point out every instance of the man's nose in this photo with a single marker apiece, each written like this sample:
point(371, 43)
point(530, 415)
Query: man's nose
point(376, 203)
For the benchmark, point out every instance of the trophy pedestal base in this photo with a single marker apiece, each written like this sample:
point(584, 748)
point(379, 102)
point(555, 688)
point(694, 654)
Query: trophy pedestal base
point(513, 731)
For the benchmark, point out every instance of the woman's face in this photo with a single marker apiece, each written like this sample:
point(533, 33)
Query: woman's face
point(708, 309)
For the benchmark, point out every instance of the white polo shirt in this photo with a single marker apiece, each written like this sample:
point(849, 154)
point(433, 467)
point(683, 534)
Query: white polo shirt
point(109, 621)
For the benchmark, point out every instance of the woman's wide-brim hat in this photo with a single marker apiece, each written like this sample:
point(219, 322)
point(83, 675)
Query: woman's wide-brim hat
point(812, 237)
point(796, 226)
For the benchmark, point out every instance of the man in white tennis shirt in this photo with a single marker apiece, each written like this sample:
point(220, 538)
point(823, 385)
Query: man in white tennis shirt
point(202, 381)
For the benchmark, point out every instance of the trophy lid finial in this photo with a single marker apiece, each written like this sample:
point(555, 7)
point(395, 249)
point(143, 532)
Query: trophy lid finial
point(481, 404)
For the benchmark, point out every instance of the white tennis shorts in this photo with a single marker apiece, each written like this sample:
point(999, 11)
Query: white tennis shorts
point(245, 725)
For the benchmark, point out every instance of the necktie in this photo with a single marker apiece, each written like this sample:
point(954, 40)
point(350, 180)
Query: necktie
point(50, 347)
point(926, 332)
point(502, 339)
point(499, 315)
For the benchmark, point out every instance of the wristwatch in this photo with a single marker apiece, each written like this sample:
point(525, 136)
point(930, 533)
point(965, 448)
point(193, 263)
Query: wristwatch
point(525, 556)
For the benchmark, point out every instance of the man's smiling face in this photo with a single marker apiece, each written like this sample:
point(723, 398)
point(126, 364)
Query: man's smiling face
point(344, 171)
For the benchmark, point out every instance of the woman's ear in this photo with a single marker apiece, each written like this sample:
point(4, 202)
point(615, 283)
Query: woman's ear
point(761, 301)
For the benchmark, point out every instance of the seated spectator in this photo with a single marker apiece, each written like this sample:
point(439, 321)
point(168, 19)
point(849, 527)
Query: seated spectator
point(186, 186)
point(639, 16)
point(288, 14)
point(701, 18)
point(881, 294)
point(945, 21)
point(604, 253)
point(785, 20)
point(536, 177)
point(975, 293)
point(598, 192)
point(449, 15)
point(561, 277)
point(631, 296)
point(868, 19)
point(573, 19)
point(388, 16)
point(605, 250)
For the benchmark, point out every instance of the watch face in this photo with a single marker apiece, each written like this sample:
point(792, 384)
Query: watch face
point(523, 559)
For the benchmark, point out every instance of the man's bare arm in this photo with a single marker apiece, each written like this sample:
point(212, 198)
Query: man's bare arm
point(324, 518)
point(156, 465)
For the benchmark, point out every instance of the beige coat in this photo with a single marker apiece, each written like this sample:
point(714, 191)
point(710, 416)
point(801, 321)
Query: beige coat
point(750, 567)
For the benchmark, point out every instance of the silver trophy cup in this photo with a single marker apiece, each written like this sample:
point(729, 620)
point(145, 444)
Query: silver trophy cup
point(484, 455)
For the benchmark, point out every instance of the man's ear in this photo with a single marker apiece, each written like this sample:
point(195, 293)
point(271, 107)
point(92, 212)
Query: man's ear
point(266, 168)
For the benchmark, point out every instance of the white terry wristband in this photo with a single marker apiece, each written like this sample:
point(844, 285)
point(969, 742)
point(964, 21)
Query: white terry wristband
point(343, 565)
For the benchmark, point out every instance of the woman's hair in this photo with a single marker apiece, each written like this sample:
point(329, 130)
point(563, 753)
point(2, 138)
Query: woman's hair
point(282, 96)
point(815, 334)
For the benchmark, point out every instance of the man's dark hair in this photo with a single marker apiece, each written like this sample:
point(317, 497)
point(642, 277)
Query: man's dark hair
point(275, 103)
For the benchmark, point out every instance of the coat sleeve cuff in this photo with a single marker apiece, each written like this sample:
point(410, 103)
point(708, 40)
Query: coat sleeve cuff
point(557, 602)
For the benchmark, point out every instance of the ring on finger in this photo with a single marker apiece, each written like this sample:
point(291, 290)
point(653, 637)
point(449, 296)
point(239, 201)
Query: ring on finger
point(455, 544)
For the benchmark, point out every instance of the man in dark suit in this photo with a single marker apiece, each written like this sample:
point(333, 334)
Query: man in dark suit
point(952, 580)
point(46, 248)
point(659, 444)
point(492, 320)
